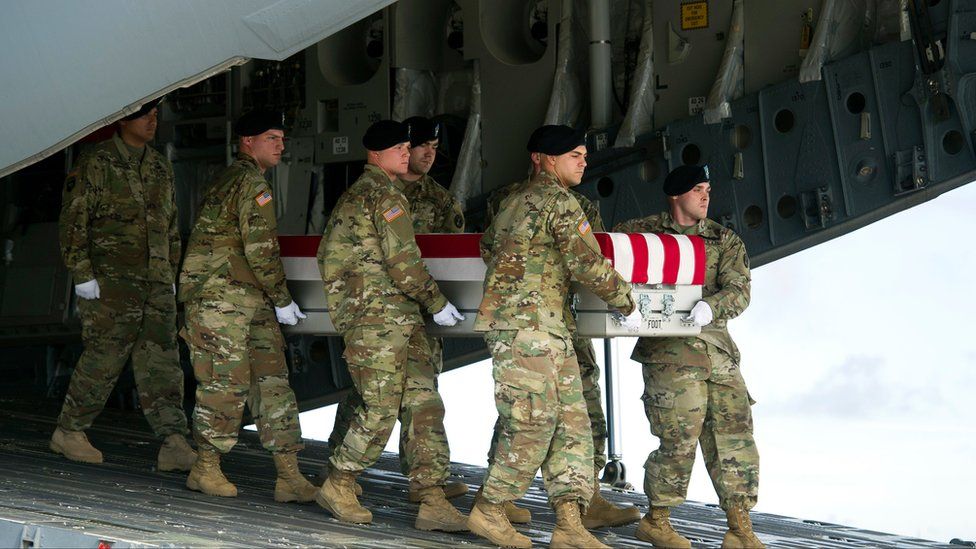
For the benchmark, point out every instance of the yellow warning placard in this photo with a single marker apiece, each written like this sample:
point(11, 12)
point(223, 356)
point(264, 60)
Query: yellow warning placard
point(694, 15)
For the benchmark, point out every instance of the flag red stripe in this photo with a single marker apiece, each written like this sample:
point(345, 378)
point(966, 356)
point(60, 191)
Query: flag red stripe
point(639, 247)
point(672, 258)
point(449, 245)
point(431, 245)
point(606, 246)
point(299, 246)
point(698, 243)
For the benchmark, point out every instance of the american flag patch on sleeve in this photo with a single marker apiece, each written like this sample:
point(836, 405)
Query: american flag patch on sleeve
point(392, 213)
point(583, 227)
point(263, 198)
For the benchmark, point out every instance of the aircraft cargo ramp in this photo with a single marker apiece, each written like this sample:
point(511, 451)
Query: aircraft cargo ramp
point(48, 501)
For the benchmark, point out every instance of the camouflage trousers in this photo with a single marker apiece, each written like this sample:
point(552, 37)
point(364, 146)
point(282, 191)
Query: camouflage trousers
point(137, 319)
point(590, 377)
point(542, 420)
point(395, 375)
point(238, 357)
point(687, 406)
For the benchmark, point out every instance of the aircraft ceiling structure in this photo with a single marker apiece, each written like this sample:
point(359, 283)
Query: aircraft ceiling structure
point(121, 53)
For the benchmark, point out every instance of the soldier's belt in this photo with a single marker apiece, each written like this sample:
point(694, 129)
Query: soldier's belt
point(667, 272)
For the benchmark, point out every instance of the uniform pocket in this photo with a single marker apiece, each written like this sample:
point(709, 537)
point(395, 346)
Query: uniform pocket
point(376, 347)
point(520, 395)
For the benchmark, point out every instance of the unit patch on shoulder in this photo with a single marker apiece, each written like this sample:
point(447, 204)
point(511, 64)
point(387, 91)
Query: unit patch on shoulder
point(583, 227)
point(392, 213)
point(263, 198)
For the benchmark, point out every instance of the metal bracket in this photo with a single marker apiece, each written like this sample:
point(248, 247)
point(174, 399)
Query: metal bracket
point(818, 208)
point(911, 171)
point(667, 306)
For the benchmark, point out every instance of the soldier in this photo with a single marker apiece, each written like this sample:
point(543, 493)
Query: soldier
point(538, 243)
point(233, 287)
point(121, 243)
point(376, 284)
point(600, 512)
point(434, 210)
point(693, 389)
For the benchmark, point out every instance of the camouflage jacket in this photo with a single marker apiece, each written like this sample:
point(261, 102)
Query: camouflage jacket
point(433, 208)
point(589, 209)
point(370, 262)
point(538, 243)
point(726, 290)
point(233, 252)
point(118, 216)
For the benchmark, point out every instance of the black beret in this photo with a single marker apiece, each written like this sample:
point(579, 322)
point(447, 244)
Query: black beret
point(384, 134)
point(555, 140)
point(684, 178)
point(258, 121)
point(422, 130)
point(144, 110)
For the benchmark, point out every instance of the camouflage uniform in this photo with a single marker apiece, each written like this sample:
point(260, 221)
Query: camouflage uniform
point(538, 243)
point(434, 210)
point(693, 389)
point(231, 278)
point(376, 284)
point(585, 355)
point(119, 226)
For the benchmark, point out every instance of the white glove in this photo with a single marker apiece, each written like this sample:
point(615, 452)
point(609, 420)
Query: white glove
point(289, 314)
point(701, 314)
point(633, 322)
point(449, 316)
point(174, 289)
point(88, 290)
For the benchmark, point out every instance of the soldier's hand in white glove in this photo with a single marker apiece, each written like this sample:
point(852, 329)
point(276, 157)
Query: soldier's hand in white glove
point(633, 321)
point(88, 290)
point(448, 316)
point(701, 314)
point(289, 314)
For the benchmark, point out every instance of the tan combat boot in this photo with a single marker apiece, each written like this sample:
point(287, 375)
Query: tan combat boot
point(327, 470)
point(452, 489)
point(655, 528)
point(515, 514)
point(290, 484)
point(205, 476)
point(740, 534)
point(74, 445)
point(488, 520)
point(337, 496)
point(569, 530)
point(602, 513)
point(175, 454)
point(436, 513)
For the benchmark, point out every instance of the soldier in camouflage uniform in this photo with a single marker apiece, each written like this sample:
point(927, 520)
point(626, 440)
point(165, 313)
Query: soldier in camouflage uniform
point(693, 389)
point(600, 512)
point(434, 210)
point(233, 287)
point(377, 287)
point(120, 241)
point(538, 243)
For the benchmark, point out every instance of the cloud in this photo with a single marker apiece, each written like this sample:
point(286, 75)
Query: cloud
point(861, 387)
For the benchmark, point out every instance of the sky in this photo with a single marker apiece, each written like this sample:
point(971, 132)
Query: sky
point(860, 355)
